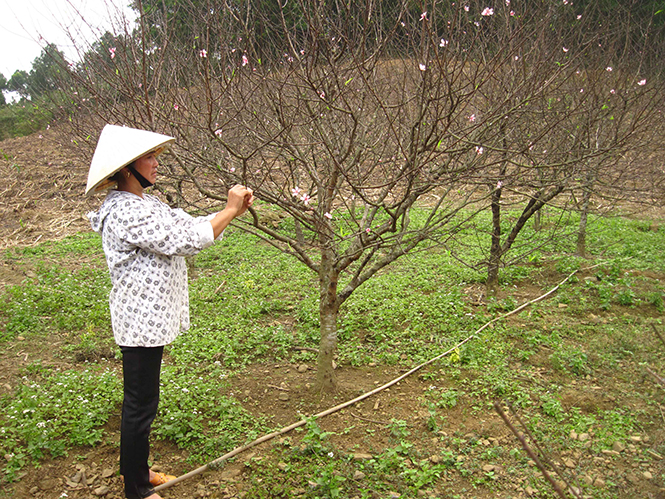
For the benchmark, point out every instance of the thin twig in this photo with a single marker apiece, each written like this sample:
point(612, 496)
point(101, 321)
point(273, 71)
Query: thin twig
point(278, 388)
point(539, 448)
point(658, 378)
point(369, 420)
point(306, 349)
point(655, 330)
point(528, 450)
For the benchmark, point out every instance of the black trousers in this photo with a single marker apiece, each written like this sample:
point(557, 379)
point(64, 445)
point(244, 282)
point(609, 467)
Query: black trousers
point(141, 368)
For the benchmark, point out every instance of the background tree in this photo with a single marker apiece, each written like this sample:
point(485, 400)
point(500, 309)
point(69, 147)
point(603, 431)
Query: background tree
point(368, 130)
point(3, 87)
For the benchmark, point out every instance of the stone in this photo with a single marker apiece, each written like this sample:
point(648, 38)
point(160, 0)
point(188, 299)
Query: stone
point(302, 368)
point(587, 480)
point(282, 466)
point(283, 397)
point(48, 484)
point(647, 475)
point(569, 463)
point(108, 472)
point(530, 490)
point(358, 475)
point(618, 446)
point(231, 474)
point(573, 434)
point(360, 456)
point(101, 491)
point(599, 483)
point(610, 452)
point(488, 467)
point(636, 439)
point(34, 491)
point(632, 478)
point(583, 437)
point(435, 459)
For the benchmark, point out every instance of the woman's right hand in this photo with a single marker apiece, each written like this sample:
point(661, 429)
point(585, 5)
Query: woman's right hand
point(240, 199)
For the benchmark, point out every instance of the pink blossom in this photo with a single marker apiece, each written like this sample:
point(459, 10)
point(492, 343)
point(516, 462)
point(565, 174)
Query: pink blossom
point(466, 8)
point(328, 215)
point(517, 57)
point(579, 17)
point(422, 66)
point(487, 11)
point(368, 230)
point(565, 49)
point(642, 82)
point(423, 16)
point(218, 132)
point(613, 91)
point(472, 118)
point(608, 69)
point(245, 60)
point(203, 53)
point(444, 43)
point(305, 199)
point(507, 3)
point(479, 150)
point(112, 51)
point(512, 13)
point(295, 192)
point(499, 184)
point(176, 106)
point(232, 169)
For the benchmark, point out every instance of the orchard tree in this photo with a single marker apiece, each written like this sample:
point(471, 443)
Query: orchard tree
point(367, 129)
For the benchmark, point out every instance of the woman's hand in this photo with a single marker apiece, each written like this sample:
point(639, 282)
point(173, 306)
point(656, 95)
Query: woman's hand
point(239, 200)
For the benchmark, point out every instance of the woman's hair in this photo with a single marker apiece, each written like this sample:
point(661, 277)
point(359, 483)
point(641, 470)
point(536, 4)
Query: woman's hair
point(118, 175)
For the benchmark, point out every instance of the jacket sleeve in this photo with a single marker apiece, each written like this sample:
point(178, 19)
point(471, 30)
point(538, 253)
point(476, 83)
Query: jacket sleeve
point(153, 228)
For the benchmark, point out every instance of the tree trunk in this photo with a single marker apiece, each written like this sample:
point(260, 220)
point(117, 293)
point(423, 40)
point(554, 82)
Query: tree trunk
point(495, 249)
point(536, 221)
point(581, 231)
point(328, 311)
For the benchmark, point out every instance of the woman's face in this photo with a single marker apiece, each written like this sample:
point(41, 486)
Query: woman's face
point(147, 166)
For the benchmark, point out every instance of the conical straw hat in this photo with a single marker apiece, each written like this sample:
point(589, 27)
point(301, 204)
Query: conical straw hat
point(117, 147)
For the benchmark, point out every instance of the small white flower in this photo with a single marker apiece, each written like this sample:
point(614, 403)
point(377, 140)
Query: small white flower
point(328, 215)
point(642, 82)
point(487, 11)
point(444, 43)
point(422, 66)
point(608, 69)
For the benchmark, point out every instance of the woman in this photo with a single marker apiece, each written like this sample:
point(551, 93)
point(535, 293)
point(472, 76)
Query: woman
point(145, 242)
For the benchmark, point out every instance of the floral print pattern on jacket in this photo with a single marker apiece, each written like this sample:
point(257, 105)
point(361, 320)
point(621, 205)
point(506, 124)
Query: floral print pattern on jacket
point(145, 242)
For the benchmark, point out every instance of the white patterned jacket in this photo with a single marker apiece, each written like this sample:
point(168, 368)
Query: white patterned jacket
point(144, 241)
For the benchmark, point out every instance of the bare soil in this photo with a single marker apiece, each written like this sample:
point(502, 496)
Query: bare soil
point(42, 199)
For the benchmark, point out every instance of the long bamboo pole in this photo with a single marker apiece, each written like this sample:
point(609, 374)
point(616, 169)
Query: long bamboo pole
point(327, 412)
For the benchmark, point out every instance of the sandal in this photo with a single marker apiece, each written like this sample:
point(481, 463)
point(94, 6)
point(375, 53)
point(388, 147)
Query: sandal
point(161, 478)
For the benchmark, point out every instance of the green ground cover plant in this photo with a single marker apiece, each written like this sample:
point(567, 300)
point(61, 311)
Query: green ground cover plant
point(253, 307)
